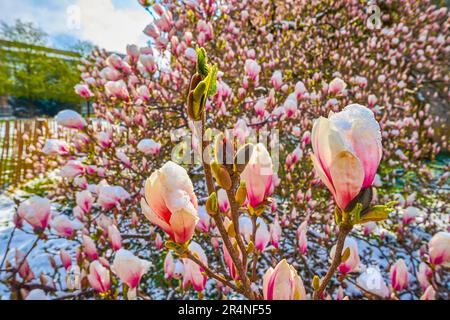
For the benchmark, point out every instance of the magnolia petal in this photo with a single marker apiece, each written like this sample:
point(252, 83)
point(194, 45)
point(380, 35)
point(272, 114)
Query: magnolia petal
point(321, 144)
point(266, 279)
point(154, 194)
point(183, 225)
point(322, 175)
point(154, 218)
point(348, 175)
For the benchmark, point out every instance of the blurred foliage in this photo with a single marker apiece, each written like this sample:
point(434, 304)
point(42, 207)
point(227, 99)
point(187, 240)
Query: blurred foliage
point(37, 80)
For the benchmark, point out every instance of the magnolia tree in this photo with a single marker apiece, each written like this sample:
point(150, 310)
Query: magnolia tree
point(237, 155)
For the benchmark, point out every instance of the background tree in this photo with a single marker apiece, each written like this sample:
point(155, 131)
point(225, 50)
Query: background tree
point(37, 79)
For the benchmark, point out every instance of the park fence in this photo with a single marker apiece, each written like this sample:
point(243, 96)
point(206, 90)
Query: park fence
point(21, 142)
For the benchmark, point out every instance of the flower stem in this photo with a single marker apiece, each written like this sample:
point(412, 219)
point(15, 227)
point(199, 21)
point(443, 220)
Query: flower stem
point(344, 230)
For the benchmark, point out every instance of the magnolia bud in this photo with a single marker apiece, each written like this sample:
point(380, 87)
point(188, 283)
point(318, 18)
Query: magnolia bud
point(190, 105)
point(316, 283)
point(199, 91)
point(250, 247)
point(345, 255)
point(196, 100)
point(221, 175)
point(230, 230)
point(211, 204)
point(53, 263)
point(241, 193)
point(195, 80)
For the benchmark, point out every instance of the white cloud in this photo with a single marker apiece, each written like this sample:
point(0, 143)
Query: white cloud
point(46, 17)
point(101, 21)
point(110, 27)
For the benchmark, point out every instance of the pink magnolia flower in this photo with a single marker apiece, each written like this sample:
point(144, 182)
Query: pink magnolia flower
point(262, 236)
point(64, 226)
point(410, 214)
point(114, 61)
point(283, 283)
point(337, 86)
point(98, 277)
point(159, 243)
point(70, 119)
point(117, 89)
point(170, 202)
point(83, 91)
point(90, 248)
point(129, 269)
point(169, 266)
point(193, 273)
point(123, 158)
point(369, 227)
point(399, 275)
point(252, 69)
point(24, 268)
point(371, 101)
point(111, 196)
point(104, 222)
point(234, 274)
point(204, 221)
point(149, 146)
point(290, 105)
point(104, 139)
point(191, 54)
point(72, 169)
point(275, 232)
point(260, 107)
point(222, 200)
point(300, 90)
point(36, 211)
point(84, 200)
point(149, 63)
point(133, 52)
point(372, 281)
point(347, 152)
point(143, 92)
point(66, 260)
point(439, 248)
point(424, 274)
point(258, 175)
point(292, 158)
point(352, 263)
point(277, 80)
point(241, 131)
point(245, 227)
point(429, 294)
point(110, 74)
point(152, 31)
point(115, 239)
point(306, 138)
point(301, 237)
point(78, 213)
point(55, 147)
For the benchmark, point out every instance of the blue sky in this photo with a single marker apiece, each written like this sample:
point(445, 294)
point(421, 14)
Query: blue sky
point(110, 24)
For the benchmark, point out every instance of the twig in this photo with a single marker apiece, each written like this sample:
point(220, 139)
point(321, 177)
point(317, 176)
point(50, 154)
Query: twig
point(210, 273)
point(8, 247)
point(344, 229)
